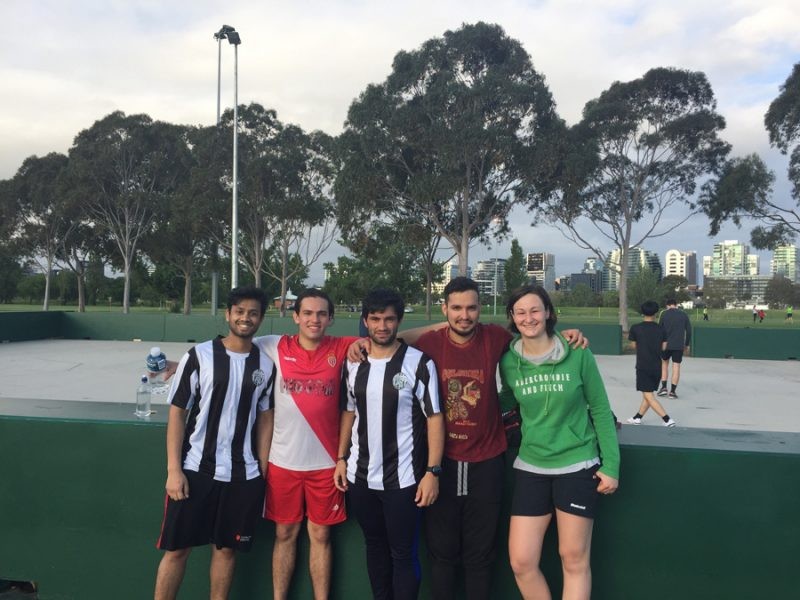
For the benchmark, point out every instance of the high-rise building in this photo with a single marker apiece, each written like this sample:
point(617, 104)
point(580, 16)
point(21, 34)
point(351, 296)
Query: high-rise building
point(786, 262)
point(449, 272)
point(732, 259)
point(682, 264)
point(638, 258)
point(592, 264)
point(542, 267)
point(490, 275)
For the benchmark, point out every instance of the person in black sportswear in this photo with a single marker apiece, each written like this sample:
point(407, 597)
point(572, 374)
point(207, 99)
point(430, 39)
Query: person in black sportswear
point(649, 339)
point(679, 337)
point(215, 491)
point(391, 442)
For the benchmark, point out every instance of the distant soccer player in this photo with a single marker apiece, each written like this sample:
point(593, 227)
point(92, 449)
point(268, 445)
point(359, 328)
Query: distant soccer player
point(214, 487)
point(649, 339)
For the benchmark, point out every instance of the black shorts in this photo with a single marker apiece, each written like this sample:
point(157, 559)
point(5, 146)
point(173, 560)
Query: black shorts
point(223, 513)
point(536, 495)
point(675, 355)
point(647, 381)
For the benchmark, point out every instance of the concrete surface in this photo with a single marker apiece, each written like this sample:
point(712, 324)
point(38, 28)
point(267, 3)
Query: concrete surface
point(713, 393)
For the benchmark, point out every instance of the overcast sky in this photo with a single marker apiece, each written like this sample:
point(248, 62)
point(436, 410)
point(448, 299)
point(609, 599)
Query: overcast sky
point(66, 64)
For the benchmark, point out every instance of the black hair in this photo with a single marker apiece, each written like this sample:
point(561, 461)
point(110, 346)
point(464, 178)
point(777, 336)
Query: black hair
point(379, 300)
point(671, 302)
point(649, 308)
point(237, 294)
point(536, 290)
point(460, 284)
point(313, 293)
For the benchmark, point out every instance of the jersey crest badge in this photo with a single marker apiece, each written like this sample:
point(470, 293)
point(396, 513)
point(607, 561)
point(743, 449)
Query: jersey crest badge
point(332, 360)
point(399, 381)
point(259, 377)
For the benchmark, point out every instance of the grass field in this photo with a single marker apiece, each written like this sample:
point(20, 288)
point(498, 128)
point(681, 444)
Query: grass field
point(717, 318)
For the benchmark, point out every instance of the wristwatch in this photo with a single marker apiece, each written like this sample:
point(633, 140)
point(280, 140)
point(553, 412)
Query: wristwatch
point(435, 469)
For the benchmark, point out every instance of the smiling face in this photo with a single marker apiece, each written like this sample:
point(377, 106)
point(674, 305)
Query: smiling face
point(530, 316)
point(312, 319)
point(382, 326)
point(462, 310)
point(244, 318)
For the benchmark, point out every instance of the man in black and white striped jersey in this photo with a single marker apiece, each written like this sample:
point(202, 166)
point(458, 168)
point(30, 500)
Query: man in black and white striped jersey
point(215, 491)
point(390, 447)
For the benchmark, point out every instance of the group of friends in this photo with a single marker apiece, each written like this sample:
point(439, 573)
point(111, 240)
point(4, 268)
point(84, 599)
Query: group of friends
point(407, 432)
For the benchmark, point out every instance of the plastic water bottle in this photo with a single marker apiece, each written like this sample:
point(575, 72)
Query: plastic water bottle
point(156, 362)
point(143, 399)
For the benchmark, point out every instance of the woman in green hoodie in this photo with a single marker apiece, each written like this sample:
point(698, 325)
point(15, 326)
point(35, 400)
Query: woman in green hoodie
point(569, 453)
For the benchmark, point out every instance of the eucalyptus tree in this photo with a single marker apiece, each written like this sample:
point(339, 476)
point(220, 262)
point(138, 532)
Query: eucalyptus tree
point(130, 167)
point(452, 139)
point(285, 201)
point(779, 218)
point(183, 238)
point(632, 165)
point(38, 191)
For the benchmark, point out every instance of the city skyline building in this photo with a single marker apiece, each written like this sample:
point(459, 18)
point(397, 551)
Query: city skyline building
point(785, 261)
point(681, 264)
point(542, 267)
point(490, 276)
point(638, 258)
point(730, 259)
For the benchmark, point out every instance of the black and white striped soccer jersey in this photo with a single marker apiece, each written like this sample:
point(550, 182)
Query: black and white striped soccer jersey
point(222, 391)
point(392, 399)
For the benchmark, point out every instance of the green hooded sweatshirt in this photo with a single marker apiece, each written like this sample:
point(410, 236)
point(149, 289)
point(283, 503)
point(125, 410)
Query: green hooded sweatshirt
point(553, 398)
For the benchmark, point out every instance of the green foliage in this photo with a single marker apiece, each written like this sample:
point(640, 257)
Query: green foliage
point(516, 273)
point(610, 298)
point(31, 288)
point(781, 292)
point(717, 293)
point(10, 274)
point(452, 139)
point(642, 287)
point(385, 261)
point(582, 295)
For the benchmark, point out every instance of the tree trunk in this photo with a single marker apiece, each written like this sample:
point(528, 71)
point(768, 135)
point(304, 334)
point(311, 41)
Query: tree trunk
point(126, 290)
point(623, 290)
point(284, 270)
point(187, 286)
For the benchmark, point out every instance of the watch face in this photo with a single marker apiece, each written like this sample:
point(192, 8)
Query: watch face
point(436, 470)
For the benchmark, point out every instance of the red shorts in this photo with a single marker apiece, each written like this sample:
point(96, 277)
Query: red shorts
point(291, 495)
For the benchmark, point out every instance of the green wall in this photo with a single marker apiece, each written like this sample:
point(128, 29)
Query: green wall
point(707, 342)
point(699, 514)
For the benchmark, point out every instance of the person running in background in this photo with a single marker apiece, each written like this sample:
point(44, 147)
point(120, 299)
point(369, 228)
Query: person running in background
point(569, 453)
point(649, 338)
point(679, 337)
point(391, 442)
point(789, 311)
point(218, 402)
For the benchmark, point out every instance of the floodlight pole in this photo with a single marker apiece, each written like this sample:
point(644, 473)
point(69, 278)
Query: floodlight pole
point(235, 216)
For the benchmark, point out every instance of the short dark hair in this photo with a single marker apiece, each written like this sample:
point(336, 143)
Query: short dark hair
point(649, 308)
point(313, 293)
point(671, 302)
point(536, 290)
point(237, 294)
point(460, 284)
point(380, 299)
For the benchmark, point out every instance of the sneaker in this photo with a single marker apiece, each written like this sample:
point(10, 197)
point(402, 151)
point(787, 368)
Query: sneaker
point(662, 392)
point(634, 421)
point(669, 423)
point(672, 395)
